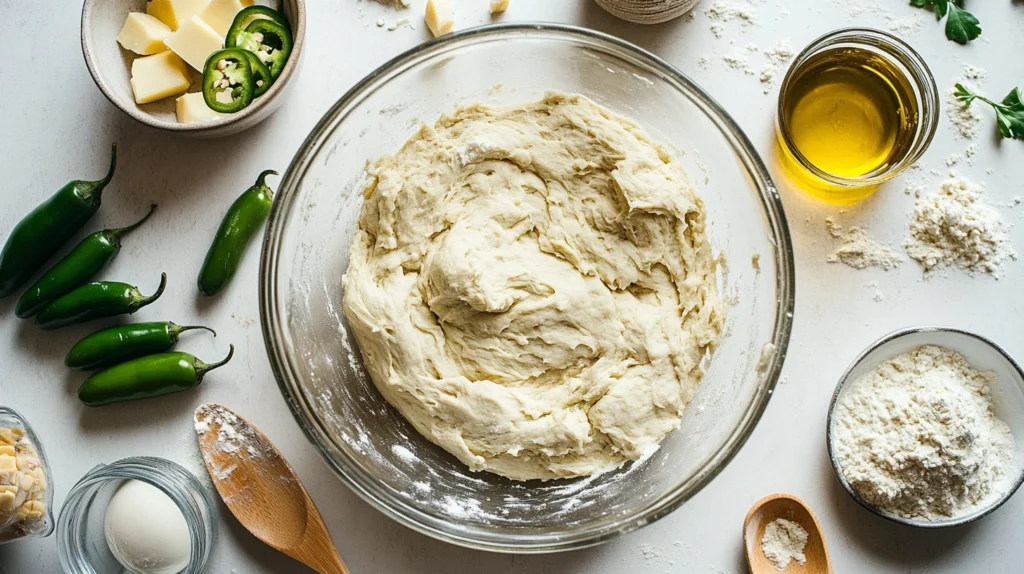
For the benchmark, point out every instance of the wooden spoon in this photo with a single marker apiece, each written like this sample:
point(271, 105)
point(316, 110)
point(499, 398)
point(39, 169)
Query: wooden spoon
point(263, 492)
point(793, 509)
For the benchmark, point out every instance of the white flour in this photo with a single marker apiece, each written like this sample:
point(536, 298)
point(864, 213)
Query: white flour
point(965, 121)
point(858, 250)
point(779, 54)
point(230, 440)
point(784, 542)
point(917, 437)
point(957, 226)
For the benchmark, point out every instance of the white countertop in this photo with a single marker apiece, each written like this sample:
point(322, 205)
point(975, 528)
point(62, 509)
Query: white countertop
point(57, 126)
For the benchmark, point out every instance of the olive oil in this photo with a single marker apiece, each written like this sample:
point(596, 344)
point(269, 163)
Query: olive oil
point(850, 112)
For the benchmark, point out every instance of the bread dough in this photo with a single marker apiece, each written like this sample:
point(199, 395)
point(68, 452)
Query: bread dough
point(532, 288)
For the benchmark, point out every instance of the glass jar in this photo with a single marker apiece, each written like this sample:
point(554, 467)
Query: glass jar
point(29, 486)
point(906, 68)
point(81, 543)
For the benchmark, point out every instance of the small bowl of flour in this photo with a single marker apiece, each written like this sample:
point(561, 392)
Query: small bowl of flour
point(922, 427)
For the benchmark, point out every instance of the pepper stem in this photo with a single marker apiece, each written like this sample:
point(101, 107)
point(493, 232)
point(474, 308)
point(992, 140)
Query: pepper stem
point(261, 181)
point(176, 330)
point(203, 368)
point(117, 234)
point(92, 190)
point(143, 301)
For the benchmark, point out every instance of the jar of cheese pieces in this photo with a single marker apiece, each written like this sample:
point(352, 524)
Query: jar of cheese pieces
point(25, 493)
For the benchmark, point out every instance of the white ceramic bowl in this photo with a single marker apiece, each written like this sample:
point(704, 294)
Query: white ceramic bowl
point(110, 67)
point(1007, 392)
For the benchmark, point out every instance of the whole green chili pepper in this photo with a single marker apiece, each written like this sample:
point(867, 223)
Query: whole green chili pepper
point(95, 301)
point(145, 377)
point(270, 41)
point(240, 223)
point(118, 344)
point(247, 16)
point(48, 227)
point(228, 72)
point(77, 267)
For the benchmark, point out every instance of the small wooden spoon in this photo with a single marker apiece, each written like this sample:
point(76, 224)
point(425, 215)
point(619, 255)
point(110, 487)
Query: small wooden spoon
point(261, 489)
point(793, 509)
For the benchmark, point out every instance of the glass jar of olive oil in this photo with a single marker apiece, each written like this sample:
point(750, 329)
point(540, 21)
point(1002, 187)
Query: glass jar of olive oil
point(856, 108)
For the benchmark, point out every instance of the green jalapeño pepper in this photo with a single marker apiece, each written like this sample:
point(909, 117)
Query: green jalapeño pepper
point(50, 225)
point(247, 16)
point(84, 261)
point(228, 84)
point(261, 75)
point(270, 41)
point(115, 345)
point(240, 223)
point(146, 377)
point(96, 301)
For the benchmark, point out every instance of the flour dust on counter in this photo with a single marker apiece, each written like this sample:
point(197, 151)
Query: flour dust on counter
point(858, 250)
point(957, 226)
point(965, 121)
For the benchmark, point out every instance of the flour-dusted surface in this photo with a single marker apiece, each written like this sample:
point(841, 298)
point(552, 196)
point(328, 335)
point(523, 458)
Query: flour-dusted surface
point(917, 436)
point(957, 226)
point(532, 288)
point(858, 250)
point(783, 542)
point(206, 173)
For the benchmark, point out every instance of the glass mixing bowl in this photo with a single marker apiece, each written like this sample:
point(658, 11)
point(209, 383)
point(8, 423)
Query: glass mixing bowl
point(315, 358)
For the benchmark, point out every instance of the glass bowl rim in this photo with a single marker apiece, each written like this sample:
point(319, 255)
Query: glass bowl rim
point(365, 485)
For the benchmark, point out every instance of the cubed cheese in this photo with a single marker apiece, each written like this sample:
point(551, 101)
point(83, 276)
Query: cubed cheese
point(8, 462)
point(158, 76)
point(7, 449)
point(175, 13)
point(143, 34)
point(440, 16)
point(192, 108)
point(498, 6)
point(219, 14)
point(194, 41)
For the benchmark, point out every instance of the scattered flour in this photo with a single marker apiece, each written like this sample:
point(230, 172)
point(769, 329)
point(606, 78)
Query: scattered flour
point(737, 60)
point(783, 542)
point(779, 54)
point(957, 226)
point(858, 250)
point(721, 11)
point(905, 26)
point(917, 437)
point(966, 121)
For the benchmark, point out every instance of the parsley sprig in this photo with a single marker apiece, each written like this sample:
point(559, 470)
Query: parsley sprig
point(1009, 113)
point(961, 25)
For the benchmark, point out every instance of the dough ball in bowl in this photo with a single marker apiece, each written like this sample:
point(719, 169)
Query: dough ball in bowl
point(516, 315)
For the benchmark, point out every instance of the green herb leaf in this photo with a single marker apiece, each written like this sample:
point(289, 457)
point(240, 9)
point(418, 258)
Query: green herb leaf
point(1009, 113)
point(961, 25)
point(1011, 116)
